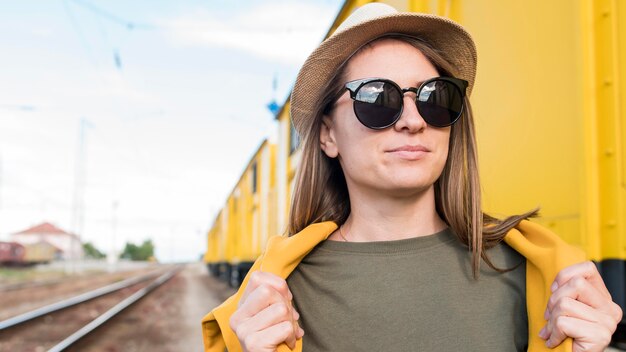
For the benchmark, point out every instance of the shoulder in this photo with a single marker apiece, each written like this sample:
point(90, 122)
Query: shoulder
point(546, 250)
point(531, 239)
point(504, 256)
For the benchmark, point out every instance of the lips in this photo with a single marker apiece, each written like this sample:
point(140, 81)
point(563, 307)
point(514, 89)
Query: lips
point(409, 152)
point(410, 148)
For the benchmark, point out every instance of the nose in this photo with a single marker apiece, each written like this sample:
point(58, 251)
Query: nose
point(410, 120)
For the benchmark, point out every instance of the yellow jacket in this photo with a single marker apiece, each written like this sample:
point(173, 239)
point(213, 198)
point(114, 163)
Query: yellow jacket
point(546, 254)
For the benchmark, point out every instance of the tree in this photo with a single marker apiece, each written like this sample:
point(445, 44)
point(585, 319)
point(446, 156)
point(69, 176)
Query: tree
point(92, 252)
point(134, 252)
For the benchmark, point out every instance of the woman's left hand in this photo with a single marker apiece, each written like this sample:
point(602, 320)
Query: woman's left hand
point(580, 307)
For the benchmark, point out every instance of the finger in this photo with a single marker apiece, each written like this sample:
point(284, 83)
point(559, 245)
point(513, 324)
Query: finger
point(588, 270)
point(580, 289)
point(584, 333)
point(568, 307)
point(572, 308)
point(609, 316)
point(261, 298)
point(272, 315)
point(294, 319)
point(271, 337)
point(258, 278)
point(285, 333)
point(300, 333)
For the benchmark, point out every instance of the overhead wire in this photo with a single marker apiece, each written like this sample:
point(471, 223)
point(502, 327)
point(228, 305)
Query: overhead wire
point(112, 17)
point(81, 35)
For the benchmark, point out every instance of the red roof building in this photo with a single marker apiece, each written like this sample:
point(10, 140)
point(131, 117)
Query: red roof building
point(68, 243)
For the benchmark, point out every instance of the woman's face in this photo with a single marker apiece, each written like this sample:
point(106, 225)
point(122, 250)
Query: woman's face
point(374, 160)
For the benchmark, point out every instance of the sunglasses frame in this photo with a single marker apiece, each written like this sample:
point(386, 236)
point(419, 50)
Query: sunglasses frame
point(354, 86)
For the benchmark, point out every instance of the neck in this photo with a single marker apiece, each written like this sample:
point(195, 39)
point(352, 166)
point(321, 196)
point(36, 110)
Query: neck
point(385, 218)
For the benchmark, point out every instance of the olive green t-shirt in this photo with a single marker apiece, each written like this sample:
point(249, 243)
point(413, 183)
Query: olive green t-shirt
point(416, 294)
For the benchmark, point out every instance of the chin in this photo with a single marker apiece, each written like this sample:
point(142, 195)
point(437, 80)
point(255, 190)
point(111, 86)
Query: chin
point(411, 179)
point(409, 188)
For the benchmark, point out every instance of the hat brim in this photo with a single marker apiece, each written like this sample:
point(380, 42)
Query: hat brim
point(447, 37)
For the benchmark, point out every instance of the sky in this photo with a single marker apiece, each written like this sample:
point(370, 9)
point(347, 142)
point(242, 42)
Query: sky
point(156, 106)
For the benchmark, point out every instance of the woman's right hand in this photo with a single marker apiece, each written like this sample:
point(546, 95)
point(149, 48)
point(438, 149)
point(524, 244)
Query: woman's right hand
point(265, 317)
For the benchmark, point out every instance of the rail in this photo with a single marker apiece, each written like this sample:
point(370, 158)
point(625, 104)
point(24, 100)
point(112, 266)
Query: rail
point(87, 296)
point(94, 324)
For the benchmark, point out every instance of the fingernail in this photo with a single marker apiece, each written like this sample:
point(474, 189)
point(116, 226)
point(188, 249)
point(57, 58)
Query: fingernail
point(542, 333)
point(296, 315)
point(300, 332)
point(290, 295)
point(554, 286)
point(549, 344)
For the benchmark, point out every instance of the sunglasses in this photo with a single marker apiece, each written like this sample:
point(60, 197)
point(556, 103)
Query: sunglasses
point(378, 102)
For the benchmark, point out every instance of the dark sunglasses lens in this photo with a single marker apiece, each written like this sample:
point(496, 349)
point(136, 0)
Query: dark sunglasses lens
point(378, 104)
point(440, 103)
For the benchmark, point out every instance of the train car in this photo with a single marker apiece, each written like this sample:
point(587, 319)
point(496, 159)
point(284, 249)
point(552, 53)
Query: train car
point(17, 254)
point(41, 252)
point(212, 254)
point(11, 253)
point(242, 228)
point(550, 115)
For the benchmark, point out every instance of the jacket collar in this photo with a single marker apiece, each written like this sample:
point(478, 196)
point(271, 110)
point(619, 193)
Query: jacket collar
point(546, 254)
point(280, 258)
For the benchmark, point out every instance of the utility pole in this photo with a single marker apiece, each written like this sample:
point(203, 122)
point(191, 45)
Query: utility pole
point(172, 241)
point(112, 257)
point(80, 177)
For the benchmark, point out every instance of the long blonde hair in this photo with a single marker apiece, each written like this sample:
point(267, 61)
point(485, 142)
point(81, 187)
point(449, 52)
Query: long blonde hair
point(321, 194)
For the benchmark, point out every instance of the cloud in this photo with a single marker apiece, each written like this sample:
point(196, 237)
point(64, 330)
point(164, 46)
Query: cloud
point(116, 85)
point(285, 32)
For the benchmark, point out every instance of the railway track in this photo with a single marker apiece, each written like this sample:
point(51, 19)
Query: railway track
point(60, 280)
point(25, 296)
point(53, 327)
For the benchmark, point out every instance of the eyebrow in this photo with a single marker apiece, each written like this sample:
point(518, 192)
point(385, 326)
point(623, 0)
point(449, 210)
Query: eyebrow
point(361, 80)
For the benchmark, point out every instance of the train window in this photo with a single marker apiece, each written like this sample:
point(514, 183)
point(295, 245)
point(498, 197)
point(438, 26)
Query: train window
point(294, 139)
point(254, 175)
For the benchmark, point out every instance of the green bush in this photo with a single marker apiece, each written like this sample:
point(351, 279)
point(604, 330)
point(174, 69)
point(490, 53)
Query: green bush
point(134, 252)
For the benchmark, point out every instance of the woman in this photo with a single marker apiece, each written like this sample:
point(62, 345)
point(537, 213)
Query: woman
point(389, 177)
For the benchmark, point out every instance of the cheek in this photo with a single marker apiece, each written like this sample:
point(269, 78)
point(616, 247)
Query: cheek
point(357, 146)
point(443, 150)
point(444, 143)
point(356, 149)
point(352, 138)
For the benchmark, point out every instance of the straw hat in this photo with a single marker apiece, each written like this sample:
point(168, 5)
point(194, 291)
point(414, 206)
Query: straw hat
point(369, 22)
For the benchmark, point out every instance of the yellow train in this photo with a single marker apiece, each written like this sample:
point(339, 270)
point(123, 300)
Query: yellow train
point(550, 111)
point(242, 227)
